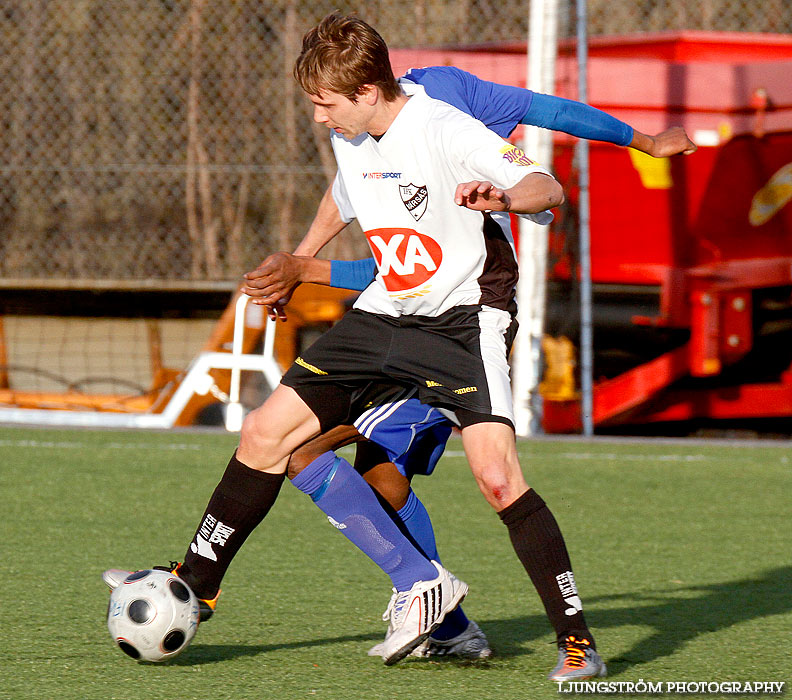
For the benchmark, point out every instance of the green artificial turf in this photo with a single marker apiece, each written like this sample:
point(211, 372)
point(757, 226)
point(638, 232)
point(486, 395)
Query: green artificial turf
point(682, 554)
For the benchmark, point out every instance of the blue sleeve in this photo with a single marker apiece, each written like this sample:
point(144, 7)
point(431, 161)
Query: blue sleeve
point(503, 107)
point(577, 119)
point(352, 274)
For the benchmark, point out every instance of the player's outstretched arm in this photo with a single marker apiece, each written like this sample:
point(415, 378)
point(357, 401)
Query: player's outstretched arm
point(273, 282)
point(502, 107)
point(587, 122)
point(535, 193)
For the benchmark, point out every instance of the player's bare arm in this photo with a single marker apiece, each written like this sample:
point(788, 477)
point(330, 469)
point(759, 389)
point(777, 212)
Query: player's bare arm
point(327, 224)
point(667, 143)
point(535, 193)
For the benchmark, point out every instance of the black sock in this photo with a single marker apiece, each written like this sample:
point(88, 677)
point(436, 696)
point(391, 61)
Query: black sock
point(239, 503)
point(539, 545)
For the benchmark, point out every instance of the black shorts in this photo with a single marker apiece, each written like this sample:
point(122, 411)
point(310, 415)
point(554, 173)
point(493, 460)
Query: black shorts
point(458, 360)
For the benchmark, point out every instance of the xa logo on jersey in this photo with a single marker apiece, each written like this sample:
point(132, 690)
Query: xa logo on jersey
point(415, 198)
point(406, 259)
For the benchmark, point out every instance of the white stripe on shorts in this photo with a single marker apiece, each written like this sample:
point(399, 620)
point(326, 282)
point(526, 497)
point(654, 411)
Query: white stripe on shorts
point(494, 323)
point(369, 420)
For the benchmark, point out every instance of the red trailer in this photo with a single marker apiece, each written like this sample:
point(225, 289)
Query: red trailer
point(692, 255)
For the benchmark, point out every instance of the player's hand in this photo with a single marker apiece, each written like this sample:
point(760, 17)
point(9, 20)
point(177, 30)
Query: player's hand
point(670, 142)
point(273, 282)
point(481, 195)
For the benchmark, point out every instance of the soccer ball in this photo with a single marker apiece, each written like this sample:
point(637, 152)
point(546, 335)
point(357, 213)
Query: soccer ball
point(153, 615)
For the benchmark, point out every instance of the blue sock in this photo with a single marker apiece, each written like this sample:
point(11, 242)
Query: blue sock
point(350, 504)
point(416, 519)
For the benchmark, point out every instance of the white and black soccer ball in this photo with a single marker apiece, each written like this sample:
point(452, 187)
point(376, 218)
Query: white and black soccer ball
point(153, 615)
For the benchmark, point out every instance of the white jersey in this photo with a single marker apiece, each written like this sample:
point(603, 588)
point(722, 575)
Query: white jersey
point(431, 253)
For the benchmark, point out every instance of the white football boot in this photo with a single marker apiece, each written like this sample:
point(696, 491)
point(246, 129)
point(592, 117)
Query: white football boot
point(415, 614)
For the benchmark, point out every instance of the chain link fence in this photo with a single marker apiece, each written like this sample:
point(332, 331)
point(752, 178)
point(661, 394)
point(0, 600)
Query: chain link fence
point(167, 140)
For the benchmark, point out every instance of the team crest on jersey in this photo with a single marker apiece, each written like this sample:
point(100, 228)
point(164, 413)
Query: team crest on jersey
point(406, 259)
point(415, 198)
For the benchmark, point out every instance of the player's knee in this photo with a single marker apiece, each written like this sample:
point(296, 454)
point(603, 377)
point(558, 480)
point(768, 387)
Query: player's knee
point(258, 449)
point(393, 486)
point(250, 436)
point(500, 486)
point(496, 492)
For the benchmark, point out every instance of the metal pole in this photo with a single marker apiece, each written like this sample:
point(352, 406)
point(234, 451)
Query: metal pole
point(586, 335)
point(538, 145)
